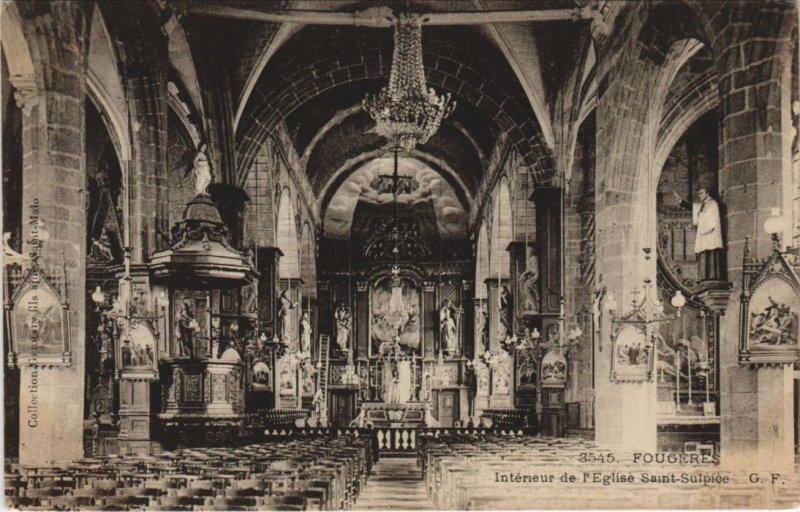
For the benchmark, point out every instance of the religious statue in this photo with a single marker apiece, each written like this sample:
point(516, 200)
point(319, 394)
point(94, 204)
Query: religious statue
point(394, 392)
point(342, 317)
point(101, 250)
point(504, 310)
point(448, 328)
point(201, 171)
point(187, 325)
point(708, 240)
point(284, 313)
point(597, 300)
point(305, 332)
point(530, 284)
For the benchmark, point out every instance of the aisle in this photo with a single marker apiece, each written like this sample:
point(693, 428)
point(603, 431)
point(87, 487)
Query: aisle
point(395, 483)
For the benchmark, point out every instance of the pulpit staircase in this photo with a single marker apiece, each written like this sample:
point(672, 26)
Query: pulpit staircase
point(321, 397)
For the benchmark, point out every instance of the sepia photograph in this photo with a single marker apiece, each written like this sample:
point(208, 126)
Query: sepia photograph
point(400, 254)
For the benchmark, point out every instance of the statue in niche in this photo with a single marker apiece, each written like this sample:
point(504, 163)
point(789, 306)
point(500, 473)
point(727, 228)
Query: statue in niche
point(482, 326)
point(504, 310)
point(305, 332)
point(708, 240)
point(187, 326)
point(530, 284)
point(284, 312)
point(448, 329)
point(342, 317)
point(101, 249)
point(201, 170)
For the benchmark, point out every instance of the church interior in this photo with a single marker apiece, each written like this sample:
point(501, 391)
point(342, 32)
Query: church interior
point(300, 254)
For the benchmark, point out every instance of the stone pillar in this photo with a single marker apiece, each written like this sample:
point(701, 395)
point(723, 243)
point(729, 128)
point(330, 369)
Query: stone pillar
point(325, 311)
point(231, 202)
point(267, 259)
point(628, 108)
point(430, 321)
point(53, 146)
point(755, 169)
point(361, 321)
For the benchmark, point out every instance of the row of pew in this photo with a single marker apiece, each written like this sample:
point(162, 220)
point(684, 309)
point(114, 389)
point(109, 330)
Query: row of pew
point(296, 473)
point(480, 472)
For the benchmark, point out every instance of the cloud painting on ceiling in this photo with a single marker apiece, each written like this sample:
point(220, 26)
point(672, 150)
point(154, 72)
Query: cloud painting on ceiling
point(418, 184)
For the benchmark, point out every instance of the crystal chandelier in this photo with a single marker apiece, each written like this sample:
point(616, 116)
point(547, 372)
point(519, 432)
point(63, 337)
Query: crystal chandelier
point(406, 112)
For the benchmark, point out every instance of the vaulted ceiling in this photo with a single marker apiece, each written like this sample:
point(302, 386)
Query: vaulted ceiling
point(313, 78)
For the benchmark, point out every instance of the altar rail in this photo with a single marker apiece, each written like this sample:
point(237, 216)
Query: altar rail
point(507, 418)
point(275, 418)
point(402, 441)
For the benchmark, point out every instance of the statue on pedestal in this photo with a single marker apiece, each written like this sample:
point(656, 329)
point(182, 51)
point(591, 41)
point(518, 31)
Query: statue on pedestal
point(187, 325)
point(201, 171)
point(530, 284)
point(708, 240)
point(448, 328)
point(504, 310)
point(284, 312)
point(342, 316)
point(305, 332)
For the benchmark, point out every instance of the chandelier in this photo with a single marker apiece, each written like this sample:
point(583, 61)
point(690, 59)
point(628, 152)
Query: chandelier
point(406, 112)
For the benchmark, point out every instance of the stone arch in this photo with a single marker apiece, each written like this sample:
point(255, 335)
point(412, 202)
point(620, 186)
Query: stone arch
point(104, 85)
point(286, 237)
point(19, 59)
point(481, 261)
point(502, 230)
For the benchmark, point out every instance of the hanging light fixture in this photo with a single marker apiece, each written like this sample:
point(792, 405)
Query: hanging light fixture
point(406, 112)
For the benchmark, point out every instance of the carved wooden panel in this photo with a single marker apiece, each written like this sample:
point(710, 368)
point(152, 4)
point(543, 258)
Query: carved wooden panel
point(192, 387)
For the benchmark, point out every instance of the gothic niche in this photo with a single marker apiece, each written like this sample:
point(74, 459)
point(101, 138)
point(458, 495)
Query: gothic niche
point(690, 169)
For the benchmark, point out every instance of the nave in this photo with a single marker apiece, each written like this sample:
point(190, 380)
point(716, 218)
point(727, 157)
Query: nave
point(464, 470)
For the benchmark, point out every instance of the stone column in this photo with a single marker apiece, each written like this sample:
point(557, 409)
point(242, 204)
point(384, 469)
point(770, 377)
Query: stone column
point(361, 321)
point(54, 178)
point(755, 87)
point(430, 320)
point(627, 110)
point(267, 259)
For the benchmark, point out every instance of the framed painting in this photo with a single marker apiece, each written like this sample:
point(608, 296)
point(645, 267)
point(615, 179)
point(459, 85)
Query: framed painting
point(769, 311)
point(631, 354)
point(39, 321)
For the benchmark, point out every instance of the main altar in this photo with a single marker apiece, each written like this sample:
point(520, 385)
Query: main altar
point(405, 401)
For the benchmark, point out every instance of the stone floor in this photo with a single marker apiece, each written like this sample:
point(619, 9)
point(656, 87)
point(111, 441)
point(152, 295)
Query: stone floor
point(395, 484)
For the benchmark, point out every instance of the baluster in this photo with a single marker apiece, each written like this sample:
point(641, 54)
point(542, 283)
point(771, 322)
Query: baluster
point(405, 439)
point(380, 439)
point(413, 439)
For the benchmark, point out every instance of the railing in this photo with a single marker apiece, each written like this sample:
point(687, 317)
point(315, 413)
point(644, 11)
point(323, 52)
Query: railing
point(275, 418)
point(507, 418)
point(408, 440)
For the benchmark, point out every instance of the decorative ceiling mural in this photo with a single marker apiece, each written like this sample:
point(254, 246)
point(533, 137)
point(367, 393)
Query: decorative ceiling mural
point(419, 184)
